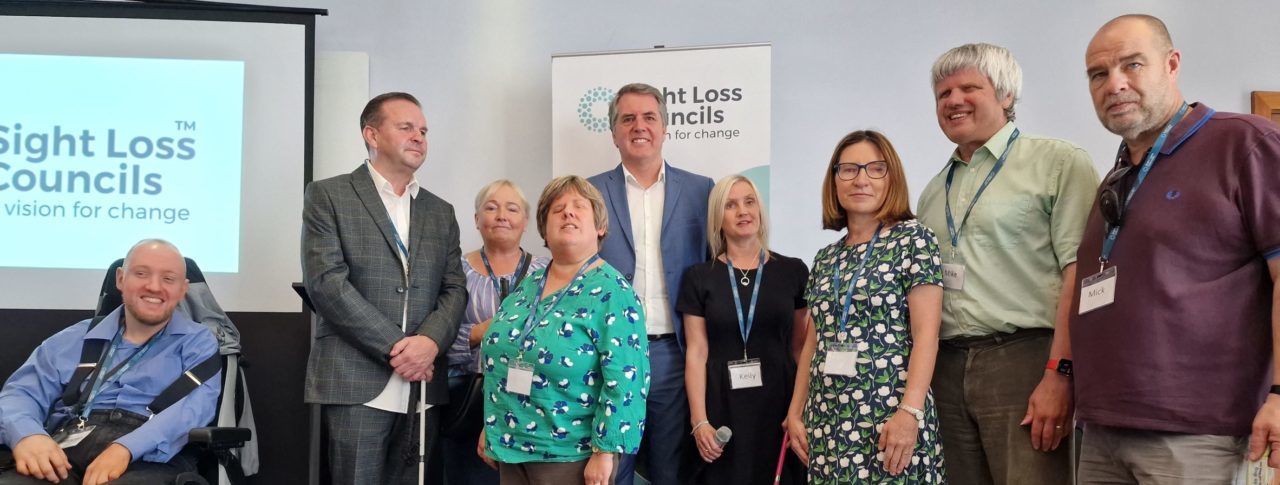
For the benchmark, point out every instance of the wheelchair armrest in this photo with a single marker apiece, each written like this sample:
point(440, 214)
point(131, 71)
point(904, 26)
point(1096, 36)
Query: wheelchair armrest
point(217, 438)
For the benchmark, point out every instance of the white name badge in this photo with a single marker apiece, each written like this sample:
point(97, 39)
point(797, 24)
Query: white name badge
point(1098, 290)
point(953, 276)
point(72, 436)
point(520, 378)
point(842, 360)
point(745, 374)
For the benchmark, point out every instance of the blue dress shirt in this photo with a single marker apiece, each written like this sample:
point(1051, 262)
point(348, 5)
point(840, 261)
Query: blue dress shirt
point(31, 390)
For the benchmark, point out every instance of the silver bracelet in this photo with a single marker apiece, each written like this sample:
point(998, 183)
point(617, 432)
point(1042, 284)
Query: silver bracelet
point(699, 425)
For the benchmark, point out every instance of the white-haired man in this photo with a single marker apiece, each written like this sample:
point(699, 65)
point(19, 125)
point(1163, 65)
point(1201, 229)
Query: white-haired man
point(1008, 209)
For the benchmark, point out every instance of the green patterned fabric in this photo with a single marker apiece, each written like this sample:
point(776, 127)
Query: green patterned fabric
point(844, 413)
point(590, 377)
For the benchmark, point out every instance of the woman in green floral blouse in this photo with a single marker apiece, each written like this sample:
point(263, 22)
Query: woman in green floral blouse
point(565, 360)
point(861, 411)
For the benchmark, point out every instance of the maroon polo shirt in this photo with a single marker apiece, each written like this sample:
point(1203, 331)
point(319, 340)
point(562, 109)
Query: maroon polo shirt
point(1186, 347)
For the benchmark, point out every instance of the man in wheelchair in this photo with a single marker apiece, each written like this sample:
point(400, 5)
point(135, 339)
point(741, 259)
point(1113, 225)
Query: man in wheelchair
point(103, 429)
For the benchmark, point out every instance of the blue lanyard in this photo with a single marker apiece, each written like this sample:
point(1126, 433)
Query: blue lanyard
point(534, 317)
point(1109, 242)
point(497, 288)
point(952, 229)
point(744, 327)
point(102, 380)
point(404, 250)
point(853, 282)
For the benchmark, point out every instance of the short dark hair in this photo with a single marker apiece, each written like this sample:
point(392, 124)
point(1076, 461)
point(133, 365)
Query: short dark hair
point(372, 114)
point(643, 90)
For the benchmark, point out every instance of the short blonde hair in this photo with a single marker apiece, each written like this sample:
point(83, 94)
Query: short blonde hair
point(715, 214)
point(491, 187)
point(572, 183)
point(897, 203)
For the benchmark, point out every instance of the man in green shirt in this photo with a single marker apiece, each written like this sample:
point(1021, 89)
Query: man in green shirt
point(1008, 209)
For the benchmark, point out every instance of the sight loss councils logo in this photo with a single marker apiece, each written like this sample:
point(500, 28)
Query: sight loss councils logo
point(586, 109)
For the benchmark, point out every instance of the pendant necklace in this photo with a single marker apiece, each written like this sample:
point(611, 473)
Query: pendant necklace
point(744, 281)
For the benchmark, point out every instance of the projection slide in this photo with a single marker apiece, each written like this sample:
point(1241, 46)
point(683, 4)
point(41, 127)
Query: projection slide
point(97, 152)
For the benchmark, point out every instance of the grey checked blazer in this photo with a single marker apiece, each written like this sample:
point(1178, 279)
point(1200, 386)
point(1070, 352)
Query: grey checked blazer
point(352, 271)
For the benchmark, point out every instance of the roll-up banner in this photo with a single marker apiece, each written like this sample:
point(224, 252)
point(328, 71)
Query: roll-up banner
point(718, 108)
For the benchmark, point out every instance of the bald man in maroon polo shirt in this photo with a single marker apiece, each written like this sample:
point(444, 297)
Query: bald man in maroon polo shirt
point(1176, 313)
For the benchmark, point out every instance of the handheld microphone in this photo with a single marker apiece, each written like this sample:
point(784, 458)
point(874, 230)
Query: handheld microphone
point(723, 435)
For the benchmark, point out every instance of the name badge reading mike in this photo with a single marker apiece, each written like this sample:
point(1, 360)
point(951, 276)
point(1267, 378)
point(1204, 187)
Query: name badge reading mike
point(520, 378)
point(745, 374)
point(842, 360)
point(1098, 290)
point(953, 276)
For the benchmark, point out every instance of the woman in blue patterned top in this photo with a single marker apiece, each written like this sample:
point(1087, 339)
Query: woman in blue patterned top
point(502, 213)
point(861, 411)
point(565, 359)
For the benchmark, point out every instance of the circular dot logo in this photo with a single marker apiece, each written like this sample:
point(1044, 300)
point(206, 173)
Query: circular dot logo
point(587, 105)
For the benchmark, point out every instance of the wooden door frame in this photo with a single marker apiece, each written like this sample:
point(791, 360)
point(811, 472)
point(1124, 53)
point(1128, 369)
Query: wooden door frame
point(1266, 104)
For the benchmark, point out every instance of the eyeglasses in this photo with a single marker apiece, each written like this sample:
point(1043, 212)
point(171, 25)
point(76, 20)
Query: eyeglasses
point(1110, 202)
point(849, 171)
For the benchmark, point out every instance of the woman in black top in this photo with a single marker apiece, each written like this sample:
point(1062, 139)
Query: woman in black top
point(744, 313)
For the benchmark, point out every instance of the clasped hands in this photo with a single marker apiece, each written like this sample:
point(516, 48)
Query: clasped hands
point(413, 358)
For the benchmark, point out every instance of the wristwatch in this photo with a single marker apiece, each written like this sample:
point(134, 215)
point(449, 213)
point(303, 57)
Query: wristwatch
point(1062, 366)
point(914, 412)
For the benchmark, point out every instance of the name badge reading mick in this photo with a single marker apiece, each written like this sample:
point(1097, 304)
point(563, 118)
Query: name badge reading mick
point(745, 374)
point(842, 360)
point(520, 378)
point(953, 276)
point(1098, 290)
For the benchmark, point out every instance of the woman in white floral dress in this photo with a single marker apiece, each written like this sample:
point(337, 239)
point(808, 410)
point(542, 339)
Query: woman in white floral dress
point(861, 411)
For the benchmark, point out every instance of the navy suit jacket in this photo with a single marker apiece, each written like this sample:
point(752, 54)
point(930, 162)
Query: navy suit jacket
point(684, 227)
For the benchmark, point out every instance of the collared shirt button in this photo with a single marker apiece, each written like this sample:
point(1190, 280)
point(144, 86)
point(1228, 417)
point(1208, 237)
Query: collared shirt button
point(399, 289)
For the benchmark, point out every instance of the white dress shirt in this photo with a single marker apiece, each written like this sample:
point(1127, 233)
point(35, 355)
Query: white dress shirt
point(395, 396)
point(650, 282)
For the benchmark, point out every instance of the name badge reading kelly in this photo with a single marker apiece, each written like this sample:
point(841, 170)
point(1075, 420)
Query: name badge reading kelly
point(1098, 290)
point(744, 374)
point(953, 276)
point(520, 378)
point(842, 360)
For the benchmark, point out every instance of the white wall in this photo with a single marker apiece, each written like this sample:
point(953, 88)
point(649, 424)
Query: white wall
point(482, 69)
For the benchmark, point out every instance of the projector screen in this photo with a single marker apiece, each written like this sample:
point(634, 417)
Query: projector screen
point(193, 130)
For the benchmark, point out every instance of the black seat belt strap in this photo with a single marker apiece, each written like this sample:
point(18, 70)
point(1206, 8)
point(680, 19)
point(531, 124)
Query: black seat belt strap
point(186, 383)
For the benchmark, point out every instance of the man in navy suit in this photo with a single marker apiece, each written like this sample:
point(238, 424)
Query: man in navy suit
point(660, 216)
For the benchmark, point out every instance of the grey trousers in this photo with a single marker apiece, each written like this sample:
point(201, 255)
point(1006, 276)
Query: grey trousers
point(368, 446)
point(1128, 456)
point(981, 386)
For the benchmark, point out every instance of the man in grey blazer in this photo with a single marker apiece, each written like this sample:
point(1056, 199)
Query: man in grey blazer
point(381, 262)
point(660, 213)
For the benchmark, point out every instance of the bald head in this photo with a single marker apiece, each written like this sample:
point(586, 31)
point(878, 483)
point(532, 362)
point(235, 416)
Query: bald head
point(1157, 32)
point(151, 283)
point(1133, 78)
point(155, 244)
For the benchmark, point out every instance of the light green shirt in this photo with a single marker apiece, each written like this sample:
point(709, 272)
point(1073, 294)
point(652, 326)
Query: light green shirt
point(1024, 229)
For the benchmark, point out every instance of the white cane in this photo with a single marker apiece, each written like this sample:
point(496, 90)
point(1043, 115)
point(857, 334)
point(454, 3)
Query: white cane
point(422, 432)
